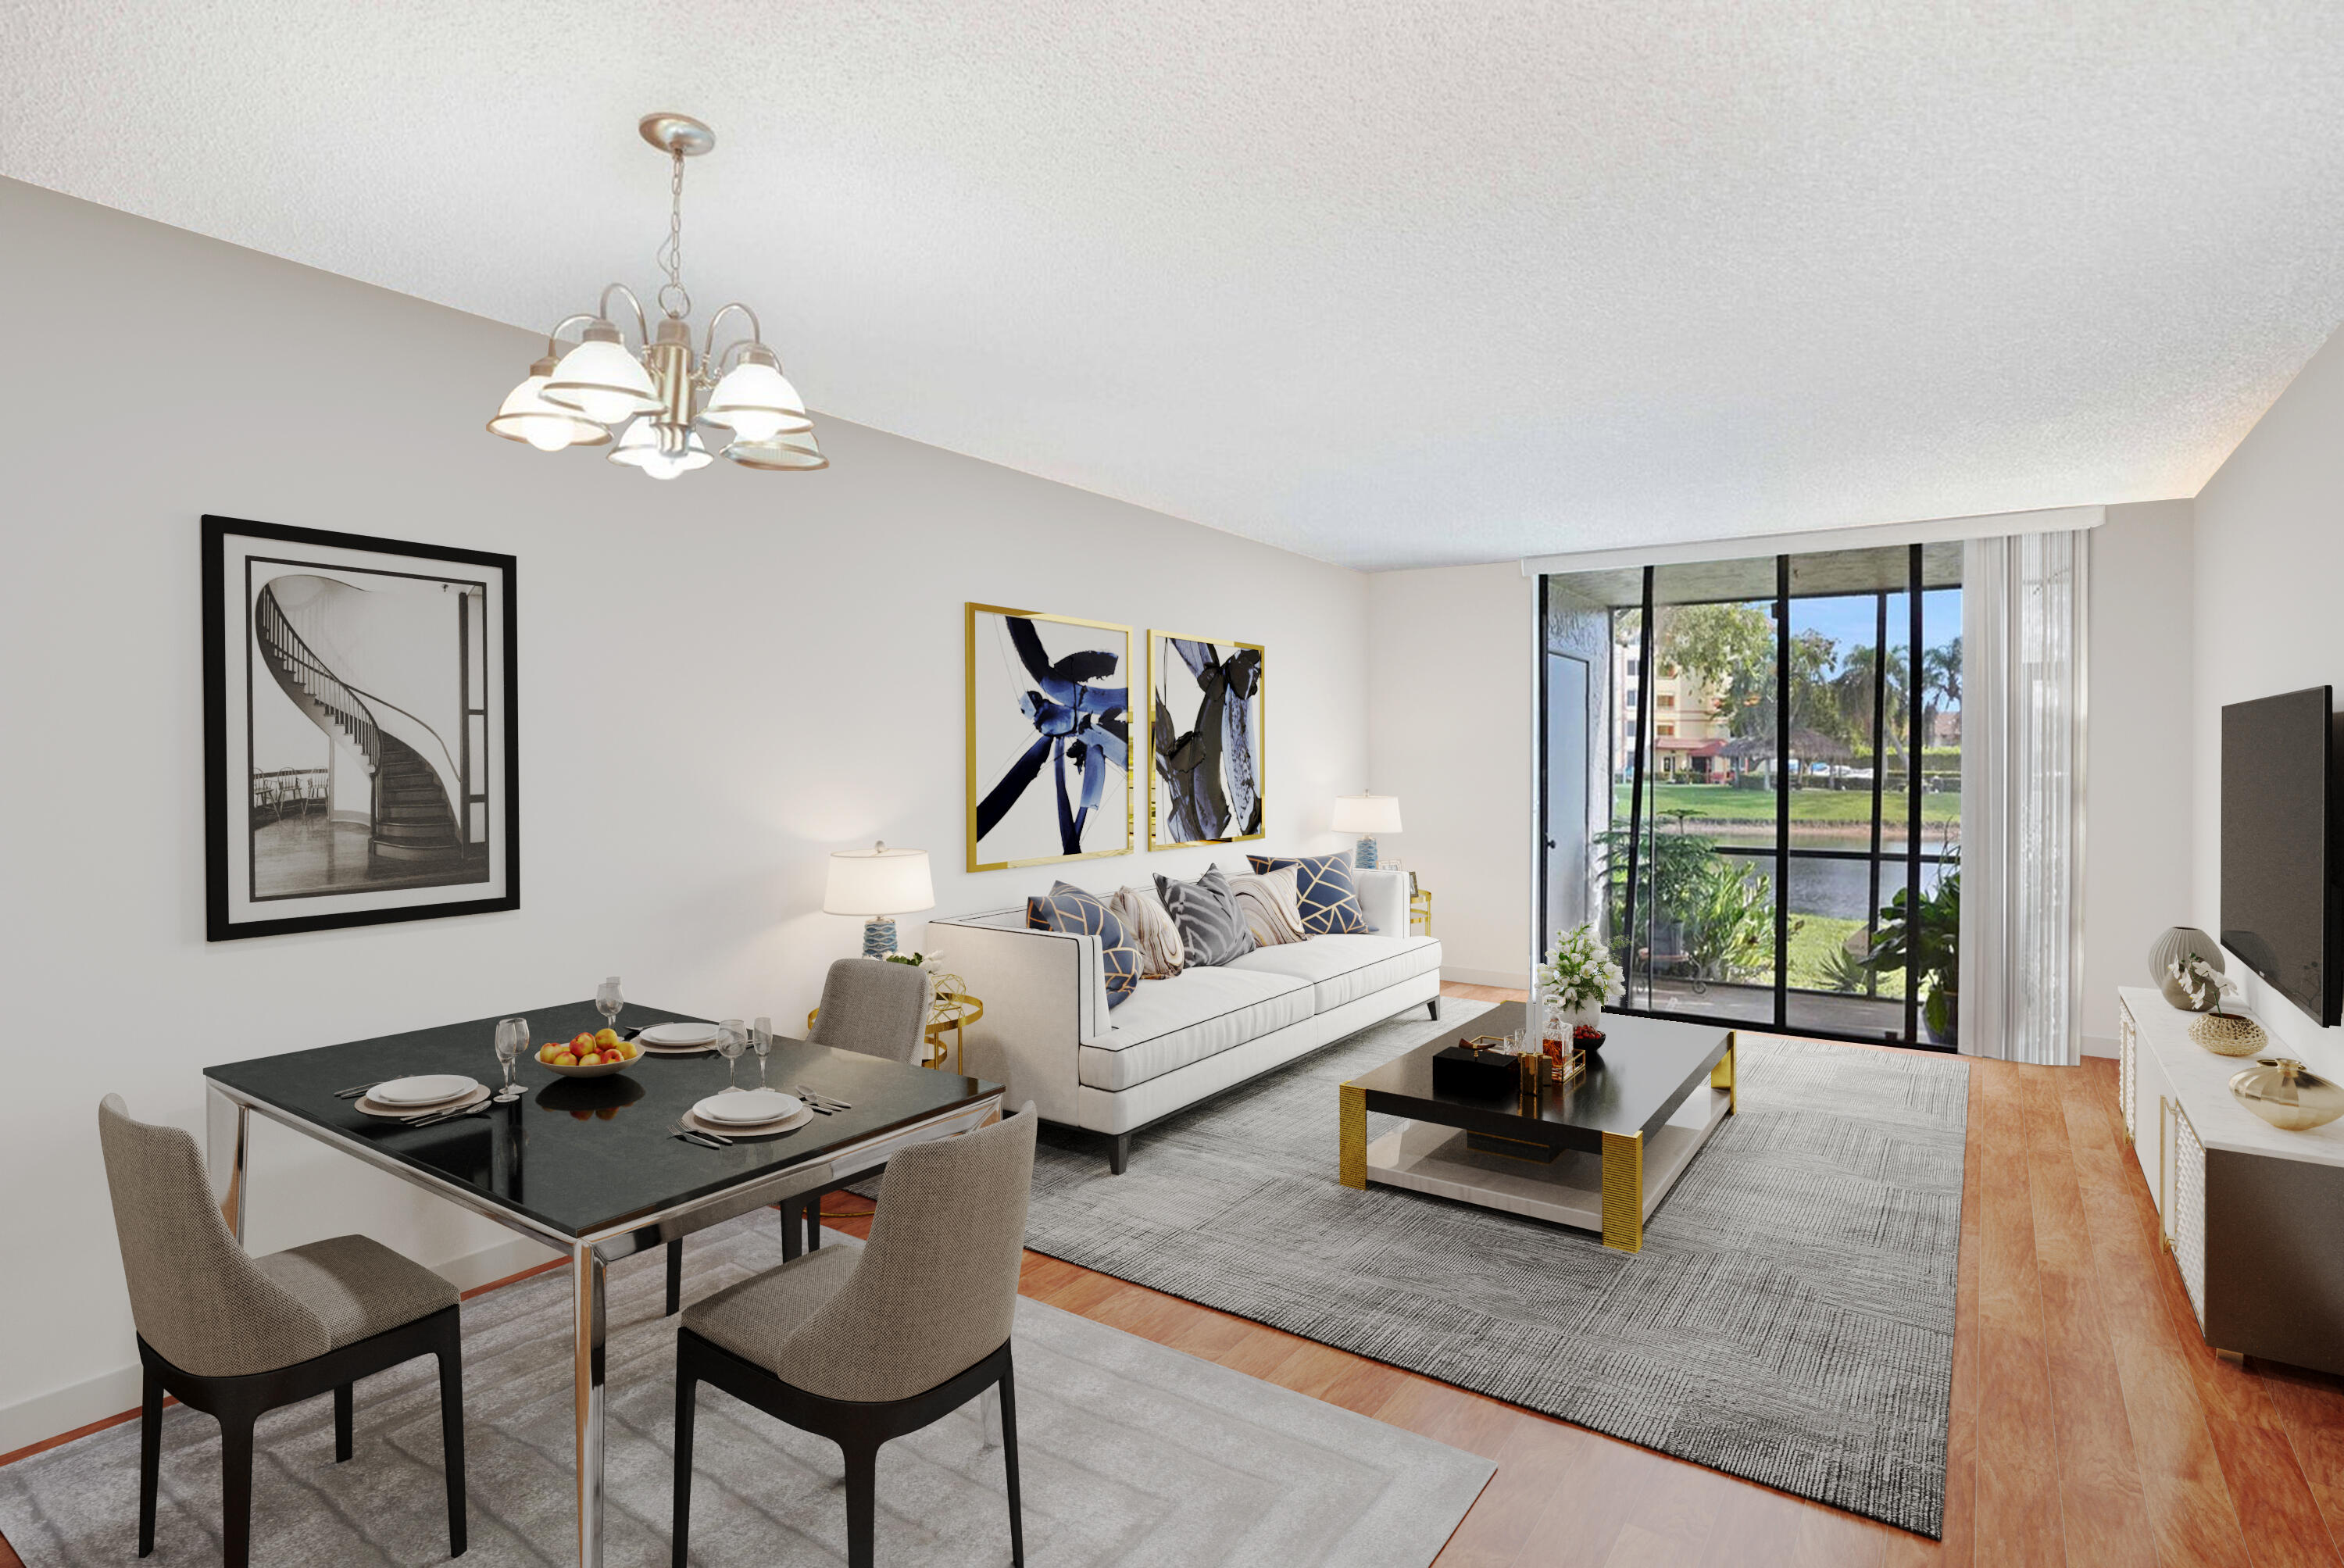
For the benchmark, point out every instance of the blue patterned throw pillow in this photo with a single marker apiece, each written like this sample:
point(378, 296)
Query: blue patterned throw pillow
point(1068, 909)
point(1331, 899)
point(1212, 929)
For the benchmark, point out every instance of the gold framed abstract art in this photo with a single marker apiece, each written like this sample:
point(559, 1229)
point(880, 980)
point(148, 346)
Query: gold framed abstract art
point(1205, 740)
point(1049, 738)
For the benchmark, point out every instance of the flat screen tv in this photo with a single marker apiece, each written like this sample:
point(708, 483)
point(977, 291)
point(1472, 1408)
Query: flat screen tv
point(2280, 909)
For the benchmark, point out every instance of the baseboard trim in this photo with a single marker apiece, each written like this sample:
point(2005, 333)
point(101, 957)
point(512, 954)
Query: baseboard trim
point(44, 1420)
point(2100, 1046)
point(1513, 982)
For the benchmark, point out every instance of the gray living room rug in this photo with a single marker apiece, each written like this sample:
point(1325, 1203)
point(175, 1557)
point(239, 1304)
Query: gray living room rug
point(1790, 1318)
point(1130, 1453)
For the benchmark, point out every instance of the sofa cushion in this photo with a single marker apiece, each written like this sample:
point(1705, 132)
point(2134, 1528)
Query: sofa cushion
point(1212, 931)
point(1070, 911)
point(1342, 969)
point(1331, 900)
point(1201, 1012)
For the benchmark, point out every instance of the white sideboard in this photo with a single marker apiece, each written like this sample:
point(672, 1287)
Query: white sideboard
point(2254, 1217)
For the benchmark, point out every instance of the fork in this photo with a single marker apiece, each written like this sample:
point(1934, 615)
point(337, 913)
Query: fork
point(823, 1102)
point(694, 1135)
point(437, 1118)
point(358, 1092)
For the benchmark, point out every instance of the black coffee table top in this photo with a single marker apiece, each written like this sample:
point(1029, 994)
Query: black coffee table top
point(582, 1154)
point(1644, 1071)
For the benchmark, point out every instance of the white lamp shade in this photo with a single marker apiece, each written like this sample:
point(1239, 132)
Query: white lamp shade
point(643, 447)
point(757, 402)
point(602, 381)
point(788, 453)
point(878, 881)
point(1367, 814)
point(526, 416)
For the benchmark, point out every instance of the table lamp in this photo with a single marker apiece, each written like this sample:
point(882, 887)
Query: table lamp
point(877, 882)
point(1367, 816)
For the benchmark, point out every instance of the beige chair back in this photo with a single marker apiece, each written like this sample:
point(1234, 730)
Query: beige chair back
point(935, 1290)
point(878, 1009)
point(195, 1293)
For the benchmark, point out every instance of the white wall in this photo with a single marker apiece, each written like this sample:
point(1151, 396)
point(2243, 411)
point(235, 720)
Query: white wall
point(2269, 561)
point(722, 679)
point(1450, 733)
point(2138, 779)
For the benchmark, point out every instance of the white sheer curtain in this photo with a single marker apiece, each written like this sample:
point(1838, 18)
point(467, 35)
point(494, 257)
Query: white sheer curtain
point(2024, 604)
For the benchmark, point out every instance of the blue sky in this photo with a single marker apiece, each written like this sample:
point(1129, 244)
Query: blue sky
point(1851, 621)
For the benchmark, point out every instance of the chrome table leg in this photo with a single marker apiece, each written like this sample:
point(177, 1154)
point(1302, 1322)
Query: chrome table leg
point(586, 1277)
point(227, 1143)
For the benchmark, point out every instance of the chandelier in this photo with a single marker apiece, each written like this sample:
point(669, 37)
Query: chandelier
point(668, 405)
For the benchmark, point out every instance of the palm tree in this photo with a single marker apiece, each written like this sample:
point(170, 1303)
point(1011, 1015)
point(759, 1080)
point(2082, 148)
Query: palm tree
point(1941, 684)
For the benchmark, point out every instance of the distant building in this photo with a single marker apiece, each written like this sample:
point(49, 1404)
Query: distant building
point(1689, 725)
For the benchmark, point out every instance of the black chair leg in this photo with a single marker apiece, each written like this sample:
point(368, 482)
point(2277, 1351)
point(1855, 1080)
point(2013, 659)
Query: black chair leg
point(150, 1459)
point(1433, 1008)
point(450, 1352)
point(1009, 1458)
point(862, 1503)
point(793, 1230)
point(686, 1402)
point(236, 1485)
point(675, 1277)
point(344, 1415)
point(812, 1212)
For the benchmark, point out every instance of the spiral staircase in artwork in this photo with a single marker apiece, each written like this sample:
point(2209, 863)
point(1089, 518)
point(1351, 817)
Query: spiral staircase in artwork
point(411, 820)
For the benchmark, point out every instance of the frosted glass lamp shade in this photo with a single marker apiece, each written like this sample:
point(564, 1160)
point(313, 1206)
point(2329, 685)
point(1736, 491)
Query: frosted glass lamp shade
point(526, 416)
point(657, 450)
point(1367, 814)
point(784, 453)
point(757, 402)
point(602, 380)
point(878, 881)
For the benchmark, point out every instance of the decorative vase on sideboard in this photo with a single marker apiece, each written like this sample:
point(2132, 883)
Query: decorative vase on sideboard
point(2178, 941)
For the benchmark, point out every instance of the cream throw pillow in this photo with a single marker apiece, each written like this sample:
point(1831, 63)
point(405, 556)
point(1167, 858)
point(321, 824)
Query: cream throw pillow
point(1148, 926)
point(1271, 902)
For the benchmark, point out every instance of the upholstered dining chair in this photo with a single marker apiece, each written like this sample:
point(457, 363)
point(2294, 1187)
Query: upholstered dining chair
point(233, 1335)
point(878, 1009)
point(865, 1346)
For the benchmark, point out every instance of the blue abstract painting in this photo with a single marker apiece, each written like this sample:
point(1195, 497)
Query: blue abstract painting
point(1049, 738)
point(1205, 740)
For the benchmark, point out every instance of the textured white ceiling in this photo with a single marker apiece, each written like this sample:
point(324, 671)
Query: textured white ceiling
point(1385, 283)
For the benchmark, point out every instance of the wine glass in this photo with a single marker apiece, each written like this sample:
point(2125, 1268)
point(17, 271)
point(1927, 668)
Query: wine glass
point(512, 1038)
point(761, 1040)
point(607, 1001)
point(731, 1039)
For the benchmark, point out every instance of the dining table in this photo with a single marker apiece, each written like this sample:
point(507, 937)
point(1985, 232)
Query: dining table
point(589, 1166)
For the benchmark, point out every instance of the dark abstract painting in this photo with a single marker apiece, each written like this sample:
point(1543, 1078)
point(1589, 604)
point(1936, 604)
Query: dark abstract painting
point(1049, 738)
point(1205, 779)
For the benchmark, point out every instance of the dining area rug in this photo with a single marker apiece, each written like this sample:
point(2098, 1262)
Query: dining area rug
point(1789, 1320)
point(1130, 1453)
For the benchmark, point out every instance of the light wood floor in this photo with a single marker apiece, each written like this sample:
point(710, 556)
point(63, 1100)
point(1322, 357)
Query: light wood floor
point(2090, 1422)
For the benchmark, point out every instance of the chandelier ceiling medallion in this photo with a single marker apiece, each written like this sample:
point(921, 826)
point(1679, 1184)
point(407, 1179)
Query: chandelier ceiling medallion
point(667, 406)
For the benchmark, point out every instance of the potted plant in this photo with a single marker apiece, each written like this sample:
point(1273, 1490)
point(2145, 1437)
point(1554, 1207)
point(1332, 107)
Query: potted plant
point(1577, 979)
point(1927, 934)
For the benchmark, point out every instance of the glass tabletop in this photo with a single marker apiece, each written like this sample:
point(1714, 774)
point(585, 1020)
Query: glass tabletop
point(582, 1154)
point(1644, 1071)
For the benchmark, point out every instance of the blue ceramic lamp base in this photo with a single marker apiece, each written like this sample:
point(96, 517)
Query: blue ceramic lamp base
point(1364, 857)
point(878, 938)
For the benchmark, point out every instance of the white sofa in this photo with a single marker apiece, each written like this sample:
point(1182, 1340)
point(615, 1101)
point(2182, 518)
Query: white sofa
point(1048, 1033)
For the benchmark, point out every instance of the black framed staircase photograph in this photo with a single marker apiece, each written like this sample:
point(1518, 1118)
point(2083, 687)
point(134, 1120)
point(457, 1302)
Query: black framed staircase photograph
point(360, 724)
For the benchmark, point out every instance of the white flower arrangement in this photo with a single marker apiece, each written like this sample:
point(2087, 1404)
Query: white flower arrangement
point(1579, 973)
point(2204, 985)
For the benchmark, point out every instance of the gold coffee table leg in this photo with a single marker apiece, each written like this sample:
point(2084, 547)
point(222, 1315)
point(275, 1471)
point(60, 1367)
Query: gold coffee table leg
point(1721, 1077)
point(1623, 1191)
point(1355, 1137)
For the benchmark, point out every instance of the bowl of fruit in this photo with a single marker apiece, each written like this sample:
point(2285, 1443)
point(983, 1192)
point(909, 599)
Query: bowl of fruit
point(1587, 1037)
point(590, 1054)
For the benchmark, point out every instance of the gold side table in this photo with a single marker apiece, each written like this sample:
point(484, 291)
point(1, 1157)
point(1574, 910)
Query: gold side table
point(1420, 911)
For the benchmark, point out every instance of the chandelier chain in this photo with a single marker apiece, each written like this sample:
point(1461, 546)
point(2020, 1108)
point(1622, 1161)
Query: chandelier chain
point(671, 255)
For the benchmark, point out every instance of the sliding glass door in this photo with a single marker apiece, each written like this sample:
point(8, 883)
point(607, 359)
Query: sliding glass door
point(1771, 770)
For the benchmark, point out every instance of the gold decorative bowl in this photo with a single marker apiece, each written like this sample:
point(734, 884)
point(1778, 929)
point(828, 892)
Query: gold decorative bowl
point(2282, 1091)
point(2227, 1034)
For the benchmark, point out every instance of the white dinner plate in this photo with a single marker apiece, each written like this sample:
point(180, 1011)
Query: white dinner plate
point(431, 1088)
point(679, 1035)
point(751, 1108)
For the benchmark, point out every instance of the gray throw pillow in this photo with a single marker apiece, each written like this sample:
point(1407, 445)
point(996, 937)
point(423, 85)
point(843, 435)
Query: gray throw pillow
point(1212, 929)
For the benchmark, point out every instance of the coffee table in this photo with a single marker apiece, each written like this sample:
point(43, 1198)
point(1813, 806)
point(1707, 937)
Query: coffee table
point(1599, 1154)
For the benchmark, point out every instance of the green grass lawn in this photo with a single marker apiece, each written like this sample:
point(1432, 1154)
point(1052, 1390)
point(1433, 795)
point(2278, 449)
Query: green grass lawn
point(1725, 803)
point(1814, 938)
